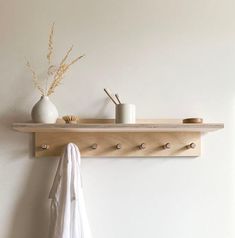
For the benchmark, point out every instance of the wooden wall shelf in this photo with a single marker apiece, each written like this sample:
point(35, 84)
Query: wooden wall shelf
point(36, 127)
point(103, 138)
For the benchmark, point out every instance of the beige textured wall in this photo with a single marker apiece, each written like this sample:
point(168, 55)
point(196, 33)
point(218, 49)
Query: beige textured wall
point(172, 59)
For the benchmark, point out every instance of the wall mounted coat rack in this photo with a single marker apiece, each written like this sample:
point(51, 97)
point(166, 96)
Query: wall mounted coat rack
point(103, 138)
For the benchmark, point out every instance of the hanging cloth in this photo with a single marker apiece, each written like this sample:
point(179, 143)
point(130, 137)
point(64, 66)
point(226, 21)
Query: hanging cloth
point(68, 212)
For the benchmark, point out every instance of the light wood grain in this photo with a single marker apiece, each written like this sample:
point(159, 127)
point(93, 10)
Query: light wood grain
point(129, 142)
point(110, 127)
point(103, 138)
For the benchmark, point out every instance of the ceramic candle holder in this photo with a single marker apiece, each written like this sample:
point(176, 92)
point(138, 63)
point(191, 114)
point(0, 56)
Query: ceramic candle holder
point(125, 113)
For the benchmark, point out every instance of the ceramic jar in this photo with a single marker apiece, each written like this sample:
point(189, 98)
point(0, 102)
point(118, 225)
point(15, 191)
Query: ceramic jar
point(44, 111)
point(125, 113)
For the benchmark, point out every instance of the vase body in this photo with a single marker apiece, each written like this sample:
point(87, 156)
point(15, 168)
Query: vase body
point(44, 111)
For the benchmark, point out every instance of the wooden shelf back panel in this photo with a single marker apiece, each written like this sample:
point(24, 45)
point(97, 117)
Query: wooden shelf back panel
point(107, 141)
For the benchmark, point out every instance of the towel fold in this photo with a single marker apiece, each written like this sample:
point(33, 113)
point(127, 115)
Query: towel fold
point(68, 212)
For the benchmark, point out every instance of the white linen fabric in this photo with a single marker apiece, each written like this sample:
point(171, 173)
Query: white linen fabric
point(68, 212)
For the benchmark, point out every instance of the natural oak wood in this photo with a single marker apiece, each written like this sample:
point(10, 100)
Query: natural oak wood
point(104, 138)
point(109, 127)
point(193, 120)
point(106, 143)
point(167, 146)
point(191, 146)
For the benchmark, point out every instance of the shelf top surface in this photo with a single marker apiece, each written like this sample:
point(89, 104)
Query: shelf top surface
point(111, 127)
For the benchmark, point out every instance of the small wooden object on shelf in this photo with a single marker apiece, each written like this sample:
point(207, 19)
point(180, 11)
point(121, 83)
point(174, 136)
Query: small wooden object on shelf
point(193, 120)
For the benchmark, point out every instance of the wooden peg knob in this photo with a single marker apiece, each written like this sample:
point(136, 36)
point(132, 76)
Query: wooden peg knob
point(142, 146)
point(45, 147)
point(94, 146)
point(118, 146)
point(167, 146)
point(191, 146)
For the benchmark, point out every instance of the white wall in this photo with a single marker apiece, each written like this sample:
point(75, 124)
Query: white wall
point(173, 59)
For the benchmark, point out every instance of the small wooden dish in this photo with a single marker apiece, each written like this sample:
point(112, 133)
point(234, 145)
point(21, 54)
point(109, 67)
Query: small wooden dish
point(193, 120)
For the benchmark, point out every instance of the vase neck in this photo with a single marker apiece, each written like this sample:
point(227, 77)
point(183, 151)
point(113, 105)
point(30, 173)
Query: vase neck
point(45, 97)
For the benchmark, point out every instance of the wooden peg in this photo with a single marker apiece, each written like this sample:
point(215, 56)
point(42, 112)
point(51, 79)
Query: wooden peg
point(142, 146)
point(191, 146)
point(45, 147)
point(166, 146)
point(94, 146)
point(118, 146)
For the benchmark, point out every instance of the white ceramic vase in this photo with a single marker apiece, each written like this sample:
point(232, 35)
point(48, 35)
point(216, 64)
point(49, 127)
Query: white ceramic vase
point(44, 111)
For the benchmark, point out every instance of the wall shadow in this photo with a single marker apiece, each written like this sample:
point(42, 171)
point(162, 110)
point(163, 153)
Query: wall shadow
point(29, 216)
point(31, 212)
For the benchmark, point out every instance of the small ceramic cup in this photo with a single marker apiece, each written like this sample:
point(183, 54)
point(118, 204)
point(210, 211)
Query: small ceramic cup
point(125, 113)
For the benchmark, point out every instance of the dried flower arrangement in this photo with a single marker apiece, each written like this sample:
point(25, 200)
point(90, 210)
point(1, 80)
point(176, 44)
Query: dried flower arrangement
point(56, 73)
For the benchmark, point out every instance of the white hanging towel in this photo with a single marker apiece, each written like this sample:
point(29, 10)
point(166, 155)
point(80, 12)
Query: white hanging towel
point(68, 213)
